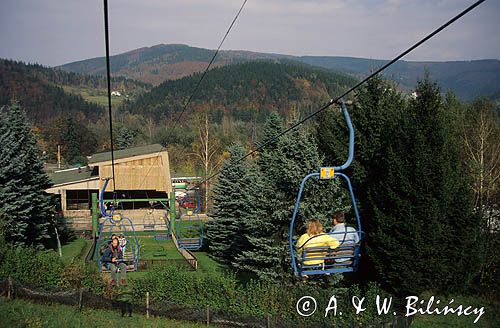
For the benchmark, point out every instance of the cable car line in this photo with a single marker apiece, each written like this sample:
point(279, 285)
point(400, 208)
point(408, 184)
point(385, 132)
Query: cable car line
point(195, 89)
point(350, 90)
point(108, 77)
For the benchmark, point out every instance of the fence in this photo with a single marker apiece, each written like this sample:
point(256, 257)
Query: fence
point(80, 298)
point(204, 316)
point(190, 258)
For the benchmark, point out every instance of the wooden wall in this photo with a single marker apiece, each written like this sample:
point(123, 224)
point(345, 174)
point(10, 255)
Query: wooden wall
point(146, 172)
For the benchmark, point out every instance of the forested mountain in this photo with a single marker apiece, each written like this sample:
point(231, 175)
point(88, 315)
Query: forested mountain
point(467, 79)
point(47, 92)
point(246, 91)
point(38, 90)
point(161, 62)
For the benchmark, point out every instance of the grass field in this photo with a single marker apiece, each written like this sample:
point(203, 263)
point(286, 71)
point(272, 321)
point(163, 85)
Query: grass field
point(75, 250)
point(20, 313)
point(152, 249)
point(98, 96)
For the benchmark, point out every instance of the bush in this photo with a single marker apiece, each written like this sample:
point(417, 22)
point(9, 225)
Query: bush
point(223, 293)
point(86, 276)
point(26, 264)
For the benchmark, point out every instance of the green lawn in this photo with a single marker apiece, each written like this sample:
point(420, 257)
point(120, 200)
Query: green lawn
point(20, 313)
point(152, 249)
point(75, 250)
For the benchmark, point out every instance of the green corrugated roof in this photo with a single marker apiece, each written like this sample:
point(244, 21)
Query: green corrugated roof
point(124, 153)
point(72, 175)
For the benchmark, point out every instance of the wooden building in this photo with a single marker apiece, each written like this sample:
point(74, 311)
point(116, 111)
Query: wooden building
point(140, 173)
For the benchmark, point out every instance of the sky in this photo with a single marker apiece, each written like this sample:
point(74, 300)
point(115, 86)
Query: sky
point(54, 32)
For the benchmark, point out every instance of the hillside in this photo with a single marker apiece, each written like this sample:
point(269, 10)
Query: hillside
point(246, 91)
point(38, 90)
point(46, 92)
point(468, 79)
point(161, 62)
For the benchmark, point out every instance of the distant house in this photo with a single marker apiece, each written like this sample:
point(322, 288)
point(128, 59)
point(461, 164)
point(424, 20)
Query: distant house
point(116, 93)
point(140, 173)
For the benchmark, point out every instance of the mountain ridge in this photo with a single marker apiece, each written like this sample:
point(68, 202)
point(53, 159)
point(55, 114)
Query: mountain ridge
point(155, 64)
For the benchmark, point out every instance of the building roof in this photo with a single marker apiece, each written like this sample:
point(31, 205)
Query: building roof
point(72, 175)
point(124, 153)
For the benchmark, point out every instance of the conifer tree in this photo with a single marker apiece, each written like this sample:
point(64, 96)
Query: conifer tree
point(26, 208)
point(232, 206)
point(413, 191)
point(283, 165)
point(124, 138)
point(425, 236)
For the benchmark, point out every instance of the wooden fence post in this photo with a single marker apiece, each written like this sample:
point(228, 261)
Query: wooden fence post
point(208, 316)
point(268, 324)
point(80, 300)
point(147, 305)
point(9, 288)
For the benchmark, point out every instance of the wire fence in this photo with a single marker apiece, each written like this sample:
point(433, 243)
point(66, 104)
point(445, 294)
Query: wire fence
point(122, 303)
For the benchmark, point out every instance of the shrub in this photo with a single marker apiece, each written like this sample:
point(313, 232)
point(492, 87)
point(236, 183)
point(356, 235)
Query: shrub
point(222, 292)
point(26, 264)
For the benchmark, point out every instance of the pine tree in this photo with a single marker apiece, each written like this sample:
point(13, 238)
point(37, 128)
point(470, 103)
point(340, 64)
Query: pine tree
point(71, 141)
point(26, 208)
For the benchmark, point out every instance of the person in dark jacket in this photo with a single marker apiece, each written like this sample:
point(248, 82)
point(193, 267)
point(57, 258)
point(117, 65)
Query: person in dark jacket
point(113, 259)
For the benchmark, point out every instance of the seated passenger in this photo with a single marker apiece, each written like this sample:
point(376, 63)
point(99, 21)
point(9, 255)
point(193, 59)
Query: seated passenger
point(346, 235)
point(315, 237)
point(123, 242)
point(112, 258)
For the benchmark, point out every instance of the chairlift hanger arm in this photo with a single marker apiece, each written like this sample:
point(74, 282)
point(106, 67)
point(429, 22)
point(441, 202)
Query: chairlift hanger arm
point(351, 139)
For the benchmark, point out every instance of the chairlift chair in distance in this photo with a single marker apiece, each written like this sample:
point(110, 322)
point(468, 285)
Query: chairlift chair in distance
point(116, 223)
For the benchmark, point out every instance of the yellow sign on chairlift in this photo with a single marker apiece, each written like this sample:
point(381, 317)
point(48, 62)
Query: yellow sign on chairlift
point(117, 217)
point(189, 213)
point(327, 173)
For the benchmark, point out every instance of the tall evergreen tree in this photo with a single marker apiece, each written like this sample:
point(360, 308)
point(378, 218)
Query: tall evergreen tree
point(232, 206)
point(283, 166)
point(26, 207)
point(410, 180)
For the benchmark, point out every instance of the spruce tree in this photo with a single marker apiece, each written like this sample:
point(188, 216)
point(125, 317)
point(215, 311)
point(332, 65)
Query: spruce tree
point(283, 165)
point(125, 138)
point(26, 207)
point(232, 206)
point(423, 234)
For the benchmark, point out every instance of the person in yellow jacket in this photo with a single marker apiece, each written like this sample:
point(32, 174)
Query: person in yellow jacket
point(315, 237)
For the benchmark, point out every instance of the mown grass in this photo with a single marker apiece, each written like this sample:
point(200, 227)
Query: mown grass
point(490, 318)
point(20, 313)
point(74, 250)
point(152, 249)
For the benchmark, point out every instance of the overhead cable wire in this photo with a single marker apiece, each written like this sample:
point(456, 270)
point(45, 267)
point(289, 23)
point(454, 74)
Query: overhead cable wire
point(350, 90)
point(108, 76)
point(197, 85)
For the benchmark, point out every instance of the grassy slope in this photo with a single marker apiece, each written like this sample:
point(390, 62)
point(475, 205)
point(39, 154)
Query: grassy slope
point(75, 250)
point(20, 313)
point(94, 95)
